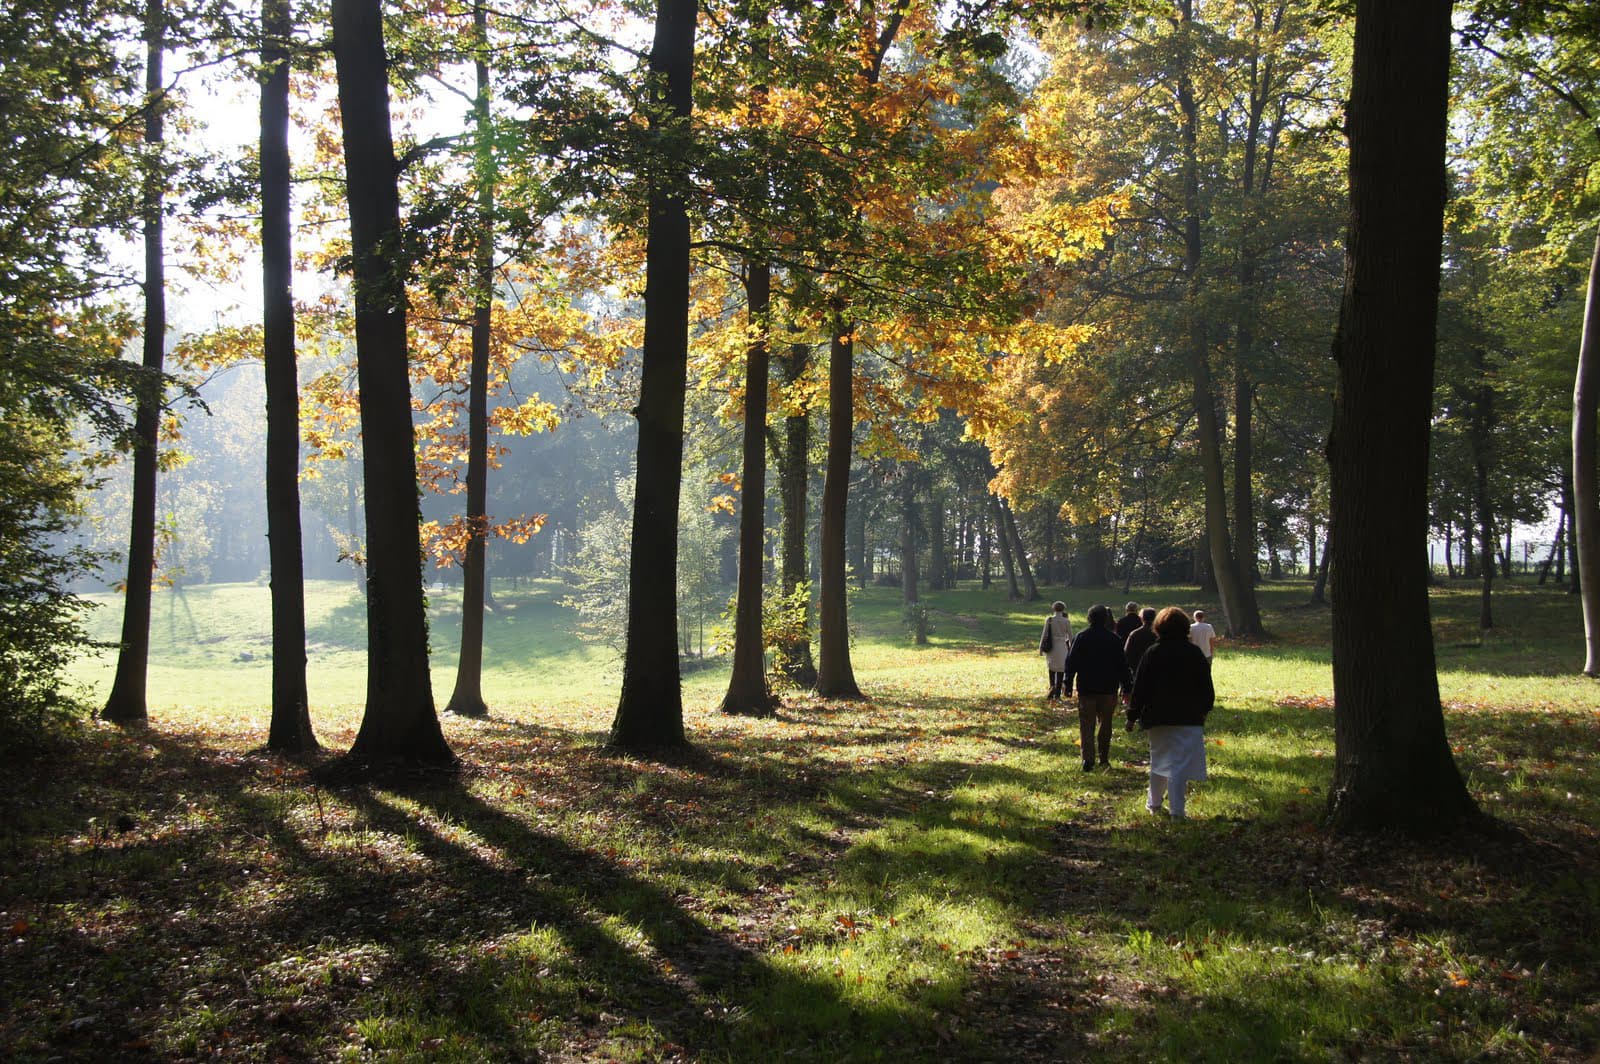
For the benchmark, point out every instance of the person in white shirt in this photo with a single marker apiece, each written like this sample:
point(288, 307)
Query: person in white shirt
point(1203, 635)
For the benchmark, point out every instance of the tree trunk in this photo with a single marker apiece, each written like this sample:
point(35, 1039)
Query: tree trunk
point(399, 726)
point(467, 698)
point(1030, 586)
point(835, 677)
point(1244, 508)
point(650, 711)
point(1319, 587)
point(1238, 600)
point(938, 559)
point(908, 536)
point(1393, 768)
point(1003, 534)
point(127, 703)
point(290, 732)
point(1585, 482)
point(795, 473)
point(748, 693)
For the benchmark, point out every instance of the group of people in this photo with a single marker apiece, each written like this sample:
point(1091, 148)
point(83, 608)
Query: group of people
point(1160, 663)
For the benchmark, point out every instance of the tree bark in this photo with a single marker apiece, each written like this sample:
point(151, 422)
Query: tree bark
point(127, 703)
point(938, 557)
point(650, 711)
point(835, 676)
point(795, 473)
point(1030, 586)
point(399, 727)
point(1003, 534)
point(748, 693)
point(467, 698)
point(1240, 614)
point(290, 731)
point(1393, 767)
point(908, 536)
point(1585, 481)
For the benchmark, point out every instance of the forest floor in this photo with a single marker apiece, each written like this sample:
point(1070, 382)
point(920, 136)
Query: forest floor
point(923, 875)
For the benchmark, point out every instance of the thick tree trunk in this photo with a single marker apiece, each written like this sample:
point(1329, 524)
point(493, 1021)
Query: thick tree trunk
point(1585, 480)
point(400, 726)
point(795, 473)
point(1393, 769)
point(1003, 534)
point(467, 698)
point(127, 703)
point(290, 732)
point(835, 676)
point(650, 711)
point(748, 693)
point(1244, 507)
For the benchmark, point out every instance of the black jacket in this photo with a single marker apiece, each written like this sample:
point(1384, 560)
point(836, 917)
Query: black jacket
point(1141, 640)
point(1097, 661)
point(1127, 624)
point(1173, 685)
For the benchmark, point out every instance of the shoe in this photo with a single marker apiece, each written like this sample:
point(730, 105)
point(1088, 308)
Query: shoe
point(1088, 766)
point(1104, 763)
point(1158, 810)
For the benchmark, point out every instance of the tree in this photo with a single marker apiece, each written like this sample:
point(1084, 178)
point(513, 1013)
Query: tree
point(290, 732)
point(650, 710)
point(126, 703)
point(1585, 476)
point(467, 698)
point(835, 676)
point(399, 726)
point(1394, 767)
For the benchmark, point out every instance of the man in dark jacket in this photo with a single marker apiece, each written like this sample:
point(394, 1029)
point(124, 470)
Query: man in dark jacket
point(1142, 639)
point(1128, 623)
point(1101, 670)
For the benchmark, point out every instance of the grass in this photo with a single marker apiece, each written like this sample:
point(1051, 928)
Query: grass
point(923, 875)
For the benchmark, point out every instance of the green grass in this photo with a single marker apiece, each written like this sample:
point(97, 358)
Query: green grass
point(923, 875)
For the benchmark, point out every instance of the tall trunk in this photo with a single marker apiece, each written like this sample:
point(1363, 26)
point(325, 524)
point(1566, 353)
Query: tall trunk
point(835, 677)
point(858, 546)
point(650, 710)
point(1244, 510)
point(1003, 534)
point(1485, 542)
point(1449, 549)
point(908, 536)
point(795, 474)
point(1238, 600)
point(127, 702)
point(938, 559)
point(290, 732)
point(1585, 482)
point(748, 692)
point(400, 724)
point(1481, 427)
point(467, 698)
point(1030, 587)
point(1393, 766)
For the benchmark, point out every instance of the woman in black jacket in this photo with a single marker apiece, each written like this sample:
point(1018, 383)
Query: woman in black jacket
point(1172, 694)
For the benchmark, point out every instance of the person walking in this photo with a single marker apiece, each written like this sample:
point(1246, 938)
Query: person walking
point(1128, 623)
point(1202, 635)
point(1142, 639)
point(1101, 671)
point(1172, 696)
point(1055, 643)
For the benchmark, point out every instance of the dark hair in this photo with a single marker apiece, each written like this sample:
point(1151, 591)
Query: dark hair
point(1099, 615)
point(1058, 607)
point(1148, 616)
point(1172, 621)
point(1132, 607)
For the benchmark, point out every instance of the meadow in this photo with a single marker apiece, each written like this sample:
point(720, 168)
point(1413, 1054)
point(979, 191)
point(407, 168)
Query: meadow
point(926, 874)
